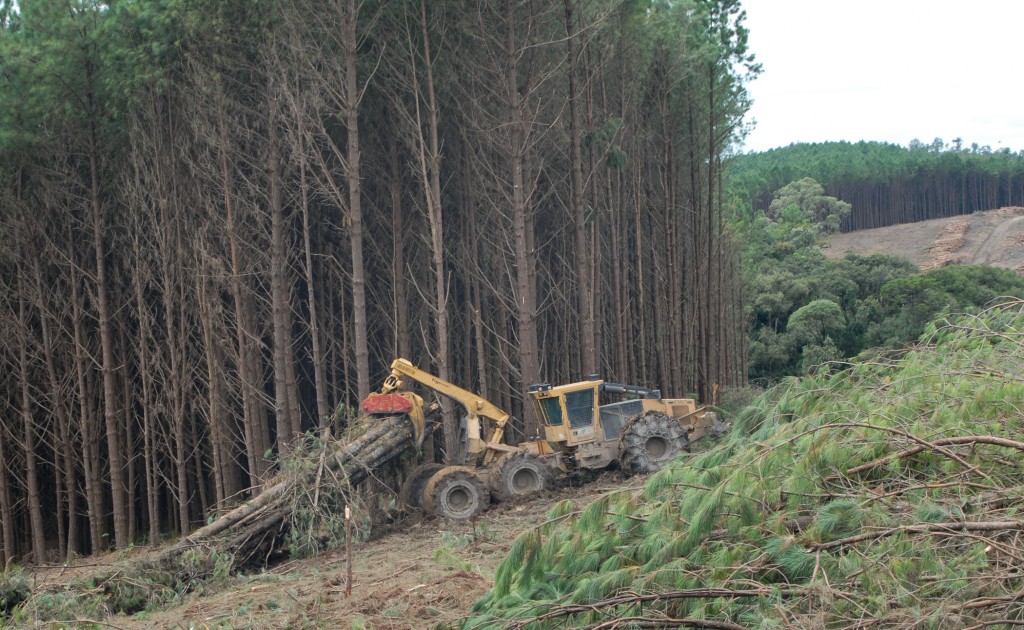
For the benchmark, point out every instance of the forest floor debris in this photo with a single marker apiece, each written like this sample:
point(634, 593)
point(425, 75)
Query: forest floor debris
point(416, 573)
point(946, 249)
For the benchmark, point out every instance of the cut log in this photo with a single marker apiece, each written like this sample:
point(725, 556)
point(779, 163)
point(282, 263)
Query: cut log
point(253, 529)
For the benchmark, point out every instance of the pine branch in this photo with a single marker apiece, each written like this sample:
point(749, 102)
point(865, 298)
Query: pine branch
point(663, 622)
point(952, 441)
point(635, 598)
point(926, 528)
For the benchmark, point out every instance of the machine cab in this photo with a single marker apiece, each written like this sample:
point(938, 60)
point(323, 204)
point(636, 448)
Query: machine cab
point(569, 412)
point(573, 415)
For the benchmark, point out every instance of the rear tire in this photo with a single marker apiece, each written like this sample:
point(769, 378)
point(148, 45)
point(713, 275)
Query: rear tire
point(411, 494)
point(649, 442)
point(518, 474)
point(456, 492)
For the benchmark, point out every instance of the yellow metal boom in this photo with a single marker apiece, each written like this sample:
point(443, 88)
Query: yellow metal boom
point(476, 406)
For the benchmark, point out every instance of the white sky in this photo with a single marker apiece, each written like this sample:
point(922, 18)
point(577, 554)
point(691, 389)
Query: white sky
point(887, 70)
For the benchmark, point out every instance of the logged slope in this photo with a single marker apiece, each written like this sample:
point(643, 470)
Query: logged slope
point(995, 237)
point(885, 495)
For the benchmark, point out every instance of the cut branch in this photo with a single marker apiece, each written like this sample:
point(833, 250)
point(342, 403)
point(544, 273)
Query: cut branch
point(925, 528)
point(694, 593)
point(952, 441)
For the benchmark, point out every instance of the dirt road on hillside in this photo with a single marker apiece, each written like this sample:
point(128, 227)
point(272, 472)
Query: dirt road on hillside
point(996, 245)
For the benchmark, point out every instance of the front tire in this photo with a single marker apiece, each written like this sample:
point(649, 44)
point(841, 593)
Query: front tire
point(456, 492)
point(518, 474)
point(411, 495)
point(649, 442)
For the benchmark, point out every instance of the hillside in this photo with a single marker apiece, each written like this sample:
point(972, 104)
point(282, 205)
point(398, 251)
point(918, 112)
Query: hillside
point(886, 183)
point(887, 494)
point(994, 237)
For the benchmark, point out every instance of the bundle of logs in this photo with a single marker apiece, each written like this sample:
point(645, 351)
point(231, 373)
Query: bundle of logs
point(254, 528)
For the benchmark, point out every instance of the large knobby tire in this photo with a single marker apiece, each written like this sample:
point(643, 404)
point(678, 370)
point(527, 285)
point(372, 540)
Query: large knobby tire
point(518, 474)
point(411, 495)
point(649, 442)
point(456, 492)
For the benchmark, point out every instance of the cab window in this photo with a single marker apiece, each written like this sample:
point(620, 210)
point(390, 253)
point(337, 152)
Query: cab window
point(552, 410)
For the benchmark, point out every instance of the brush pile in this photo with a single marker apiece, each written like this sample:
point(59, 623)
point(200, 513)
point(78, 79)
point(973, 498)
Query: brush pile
point(886, 494)
point(944, 251)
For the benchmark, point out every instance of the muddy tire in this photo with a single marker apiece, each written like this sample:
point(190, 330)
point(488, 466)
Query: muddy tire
point(519, 474)
point(411, 495)
point(456, 492)
point(649, 442)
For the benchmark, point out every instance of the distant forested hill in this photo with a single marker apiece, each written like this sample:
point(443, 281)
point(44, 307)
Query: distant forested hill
point(887, 183)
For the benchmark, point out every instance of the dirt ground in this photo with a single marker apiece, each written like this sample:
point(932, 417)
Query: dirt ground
point(995, 237)
point(423, 573)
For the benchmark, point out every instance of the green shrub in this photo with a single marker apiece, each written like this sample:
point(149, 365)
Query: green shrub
point(14, 588)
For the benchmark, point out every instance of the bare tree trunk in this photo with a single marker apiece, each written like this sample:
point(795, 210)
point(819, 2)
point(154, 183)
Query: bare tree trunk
point(218, 442)
point(129, 440)
point(619, 304)
point(254, 429)
point(66, 481)
point(281, 312)
point(198, 462)
point(355, 213)
point(10, 551)
point(475, 290)
point(115, 452)
point(713, 252)
point(290, 379)
point(585, 315)
point(522, 226)
point(177, 411)
point(322, 409)
point(35, 508)
point(429, 157)
point(87, 424)
point(402, 341)
point(148, 430)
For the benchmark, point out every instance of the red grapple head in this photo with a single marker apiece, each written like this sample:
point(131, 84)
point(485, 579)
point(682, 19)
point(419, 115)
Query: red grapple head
point(386, 404)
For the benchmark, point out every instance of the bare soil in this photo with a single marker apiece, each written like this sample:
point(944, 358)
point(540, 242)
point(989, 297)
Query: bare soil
point(422, 573)
point(994, 237)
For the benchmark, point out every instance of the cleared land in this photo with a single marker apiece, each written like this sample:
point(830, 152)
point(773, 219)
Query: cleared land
point(994, 237)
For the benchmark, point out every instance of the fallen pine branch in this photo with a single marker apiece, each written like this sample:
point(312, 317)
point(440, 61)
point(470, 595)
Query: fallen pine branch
point(952, 441)
point(635, 598)
point(925, 528)
point(663, 622)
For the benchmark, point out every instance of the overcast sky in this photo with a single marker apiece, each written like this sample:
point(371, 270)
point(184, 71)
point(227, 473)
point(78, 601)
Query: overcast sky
point(887, 70)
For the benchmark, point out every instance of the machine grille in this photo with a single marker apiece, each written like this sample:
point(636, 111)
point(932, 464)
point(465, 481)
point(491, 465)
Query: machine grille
point(579, 406)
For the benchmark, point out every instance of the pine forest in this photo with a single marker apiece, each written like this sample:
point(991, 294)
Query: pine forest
point(222, 221)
